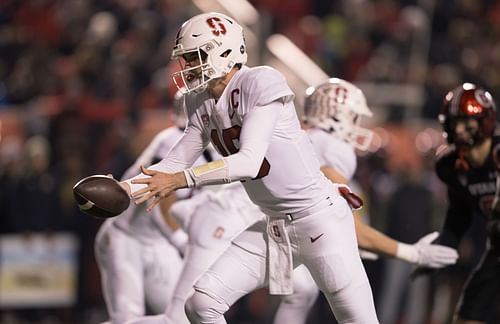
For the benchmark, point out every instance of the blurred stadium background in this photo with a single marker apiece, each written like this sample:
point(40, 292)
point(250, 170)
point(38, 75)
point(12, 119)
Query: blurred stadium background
point(85, 84)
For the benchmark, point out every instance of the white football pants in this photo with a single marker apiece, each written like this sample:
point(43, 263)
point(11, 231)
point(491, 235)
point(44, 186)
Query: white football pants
point(135, 273)
point(214, 221)
point(333, 261)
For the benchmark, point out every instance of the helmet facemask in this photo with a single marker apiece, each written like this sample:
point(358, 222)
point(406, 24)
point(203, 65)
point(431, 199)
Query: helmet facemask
point(195, 72)
point(470, 135)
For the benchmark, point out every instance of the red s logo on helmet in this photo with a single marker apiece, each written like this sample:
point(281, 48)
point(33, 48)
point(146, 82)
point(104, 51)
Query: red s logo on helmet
point(341, 94)
point(217, 26)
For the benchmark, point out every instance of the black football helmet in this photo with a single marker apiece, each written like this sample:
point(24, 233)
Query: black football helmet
point(468, 101)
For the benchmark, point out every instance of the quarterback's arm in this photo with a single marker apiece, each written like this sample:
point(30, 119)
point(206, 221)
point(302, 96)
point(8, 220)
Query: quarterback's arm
point(255, 136)
point(182, 155)
point(370, 239)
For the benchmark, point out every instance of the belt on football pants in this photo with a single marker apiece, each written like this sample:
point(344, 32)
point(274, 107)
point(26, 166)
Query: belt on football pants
point(305, 212)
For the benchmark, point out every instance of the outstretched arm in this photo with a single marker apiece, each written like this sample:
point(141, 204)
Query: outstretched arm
point(422, 253)
point(254, 139)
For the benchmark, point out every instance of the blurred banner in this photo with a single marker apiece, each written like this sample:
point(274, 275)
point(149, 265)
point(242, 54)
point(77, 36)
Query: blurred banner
point(38, 270)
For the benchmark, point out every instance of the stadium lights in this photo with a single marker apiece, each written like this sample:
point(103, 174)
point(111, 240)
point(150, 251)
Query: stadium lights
point(296, 60)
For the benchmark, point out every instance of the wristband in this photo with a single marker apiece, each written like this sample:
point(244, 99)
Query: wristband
point(189, 180)
point(215, 172)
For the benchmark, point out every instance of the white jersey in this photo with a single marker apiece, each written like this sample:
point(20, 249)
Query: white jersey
point(333, 152)
point(279, 187)
point(132, 220)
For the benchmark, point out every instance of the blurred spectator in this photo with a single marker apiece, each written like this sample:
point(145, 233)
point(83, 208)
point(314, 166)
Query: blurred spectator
point(39, 187)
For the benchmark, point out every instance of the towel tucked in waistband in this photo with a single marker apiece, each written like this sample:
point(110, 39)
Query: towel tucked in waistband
point(280, 262)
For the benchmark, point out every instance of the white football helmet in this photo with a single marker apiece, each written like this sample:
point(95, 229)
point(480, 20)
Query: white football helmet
point(216, 40)
point(337, 106)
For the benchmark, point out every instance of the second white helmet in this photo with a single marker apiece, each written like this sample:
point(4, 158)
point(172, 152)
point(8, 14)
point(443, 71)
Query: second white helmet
point(216, 41)
point(337, 106)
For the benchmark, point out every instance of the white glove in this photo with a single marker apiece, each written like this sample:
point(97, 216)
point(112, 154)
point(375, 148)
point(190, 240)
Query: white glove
point(425, 254)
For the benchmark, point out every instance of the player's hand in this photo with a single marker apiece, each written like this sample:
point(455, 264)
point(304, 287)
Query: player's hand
point(434, 255)
point(159, 185)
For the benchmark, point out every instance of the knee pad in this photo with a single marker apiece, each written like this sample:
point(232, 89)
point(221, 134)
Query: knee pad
point(201, 308)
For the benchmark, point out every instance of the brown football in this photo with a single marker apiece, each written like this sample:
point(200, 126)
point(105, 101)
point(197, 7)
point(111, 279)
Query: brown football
point(100, 196)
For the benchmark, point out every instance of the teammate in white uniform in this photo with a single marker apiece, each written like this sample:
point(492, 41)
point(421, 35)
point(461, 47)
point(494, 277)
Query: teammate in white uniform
point(249, 116)
point(332, 114)
point(139, 254)
point(138, 265)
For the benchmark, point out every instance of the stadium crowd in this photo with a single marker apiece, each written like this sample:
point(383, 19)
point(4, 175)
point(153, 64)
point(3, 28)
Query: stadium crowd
point(84, 85)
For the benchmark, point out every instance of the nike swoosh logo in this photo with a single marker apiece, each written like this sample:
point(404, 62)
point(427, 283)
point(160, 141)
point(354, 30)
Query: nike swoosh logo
point(314, 239)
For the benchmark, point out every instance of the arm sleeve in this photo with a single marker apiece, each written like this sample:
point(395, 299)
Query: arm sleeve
point(182, 155)
point(255, 137)
point(457, 221)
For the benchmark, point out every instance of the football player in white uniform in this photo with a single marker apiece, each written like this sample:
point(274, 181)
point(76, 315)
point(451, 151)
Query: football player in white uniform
point(138, 255)
point(249, 116)
point(135, 252)
point(332, 116)
point(140, 267)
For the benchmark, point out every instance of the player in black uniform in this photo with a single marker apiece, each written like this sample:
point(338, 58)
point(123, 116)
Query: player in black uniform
point(468, 169)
